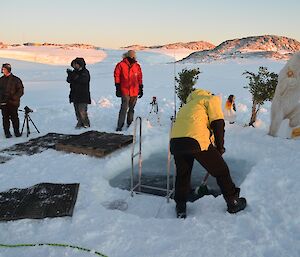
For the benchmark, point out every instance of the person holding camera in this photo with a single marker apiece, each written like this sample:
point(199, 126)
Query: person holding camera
point(11, 90)
point(129, 86)
point(79, 79)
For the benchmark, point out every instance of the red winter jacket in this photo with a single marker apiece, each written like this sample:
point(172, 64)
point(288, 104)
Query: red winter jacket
point(129, 76)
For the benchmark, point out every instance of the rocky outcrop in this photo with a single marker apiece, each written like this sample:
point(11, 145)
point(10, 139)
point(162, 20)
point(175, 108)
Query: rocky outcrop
point(267, 46)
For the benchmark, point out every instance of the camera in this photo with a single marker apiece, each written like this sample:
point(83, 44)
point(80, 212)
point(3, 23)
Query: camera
point(27, 109)
point(153, 100)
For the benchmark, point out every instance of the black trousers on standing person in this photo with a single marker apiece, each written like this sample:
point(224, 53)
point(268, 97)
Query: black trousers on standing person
point(10, 113)
point(212, 161)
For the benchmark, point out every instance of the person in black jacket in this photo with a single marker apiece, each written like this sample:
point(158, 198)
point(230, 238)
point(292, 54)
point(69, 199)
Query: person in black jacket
point(11, 90)
point(79, 79)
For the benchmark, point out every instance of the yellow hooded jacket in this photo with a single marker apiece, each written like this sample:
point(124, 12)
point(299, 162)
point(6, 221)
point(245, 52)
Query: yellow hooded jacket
point(194, 118)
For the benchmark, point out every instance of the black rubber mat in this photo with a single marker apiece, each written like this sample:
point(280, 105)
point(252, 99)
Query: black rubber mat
point(38, 202)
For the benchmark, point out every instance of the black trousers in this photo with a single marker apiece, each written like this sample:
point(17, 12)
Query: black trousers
point(10, 113)
point(212, 161)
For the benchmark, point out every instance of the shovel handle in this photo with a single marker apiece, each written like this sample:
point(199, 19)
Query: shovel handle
point(204, 181)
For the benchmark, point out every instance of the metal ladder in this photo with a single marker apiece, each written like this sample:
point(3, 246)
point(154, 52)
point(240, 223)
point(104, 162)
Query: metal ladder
point(138, 186)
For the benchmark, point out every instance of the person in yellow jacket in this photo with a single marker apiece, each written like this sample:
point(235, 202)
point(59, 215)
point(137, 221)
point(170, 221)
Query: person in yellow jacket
point(198, 133)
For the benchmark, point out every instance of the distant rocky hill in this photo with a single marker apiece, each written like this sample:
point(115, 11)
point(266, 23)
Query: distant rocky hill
point(2, 45)
point(196, 45)
point(135, 47)
point(266, 46)
point(81, 46)
point(63, 46)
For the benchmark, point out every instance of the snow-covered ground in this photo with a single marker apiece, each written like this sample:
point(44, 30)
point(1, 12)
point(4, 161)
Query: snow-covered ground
point(269, 226)
point(176, 54)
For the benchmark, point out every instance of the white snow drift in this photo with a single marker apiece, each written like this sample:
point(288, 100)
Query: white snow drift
point(55, 55)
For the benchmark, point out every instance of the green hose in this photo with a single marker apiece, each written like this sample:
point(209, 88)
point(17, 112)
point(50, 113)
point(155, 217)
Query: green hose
point(53, 244)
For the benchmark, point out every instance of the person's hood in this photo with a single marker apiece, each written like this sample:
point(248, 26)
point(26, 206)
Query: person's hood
point(130, 60)
point(198, 93)
point(80, 61)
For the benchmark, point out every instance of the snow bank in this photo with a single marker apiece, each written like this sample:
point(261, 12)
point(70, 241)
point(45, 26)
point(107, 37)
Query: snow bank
point(176, 54)
point(54, 55)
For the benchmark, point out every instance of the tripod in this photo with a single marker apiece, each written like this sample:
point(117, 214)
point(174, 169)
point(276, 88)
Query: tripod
point(27, 119)
point(154, 109)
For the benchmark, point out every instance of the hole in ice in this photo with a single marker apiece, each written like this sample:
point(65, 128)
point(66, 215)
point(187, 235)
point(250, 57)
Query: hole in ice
point(154, 170)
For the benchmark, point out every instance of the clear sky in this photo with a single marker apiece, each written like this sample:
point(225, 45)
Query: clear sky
point(116, 23)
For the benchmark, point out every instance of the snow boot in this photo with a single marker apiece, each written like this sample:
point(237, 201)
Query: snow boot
point(17, 132)
point(8, 135)
point(237, 204)
point(78, 125)
point(181, 210)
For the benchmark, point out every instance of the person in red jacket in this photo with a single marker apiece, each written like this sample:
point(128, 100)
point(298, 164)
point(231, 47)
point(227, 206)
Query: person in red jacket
point(129, 86)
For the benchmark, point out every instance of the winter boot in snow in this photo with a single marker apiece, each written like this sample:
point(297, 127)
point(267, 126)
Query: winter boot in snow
point(18, 134)
point(8, 135)
point(78, 125)
point(181, 210)
point(235, 203)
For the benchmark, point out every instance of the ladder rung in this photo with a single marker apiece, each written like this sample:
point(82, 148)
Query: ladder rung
point(135, 155)
point(155, 188)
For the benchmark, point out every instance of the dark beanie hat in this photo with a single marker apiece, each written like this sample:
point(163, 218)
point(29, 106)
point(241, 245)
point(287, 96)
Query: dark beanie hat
point(7, 66)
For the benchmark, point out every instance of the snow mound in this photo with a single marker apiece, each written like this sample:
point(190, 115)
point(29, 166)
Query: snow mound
point(54, 55)
point(177, 54)
point(242, 107)
point(105, 103)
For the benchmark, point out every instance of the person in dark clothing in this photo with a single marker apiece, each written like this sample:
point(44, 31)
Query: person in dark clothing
point(129, 86)
point(191, 138)
point(11, 90)
point(79, 79)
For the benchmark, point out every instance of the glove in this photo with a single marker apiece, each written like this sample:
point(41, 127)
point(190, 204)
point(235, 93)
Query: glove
point(69, 71)
point(141, 91)
point(71, 75)
point(118, 90)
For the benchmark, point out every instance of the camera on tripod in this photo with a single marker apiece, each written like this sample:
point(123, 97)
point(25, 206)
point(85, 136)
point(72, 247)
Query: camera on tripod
point(26, 121)
point(154, 109)
point(27, 109)
point(154, 105)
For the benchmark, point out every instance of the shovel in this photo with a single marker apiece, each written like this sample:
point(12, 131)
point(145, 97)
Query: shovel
point(203, 190)
point(200, 191)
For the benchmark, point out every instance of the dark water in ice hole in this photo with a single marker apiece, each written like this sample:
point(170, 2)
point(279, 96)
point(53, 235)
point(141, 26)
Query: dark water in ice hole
point(154, 171)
